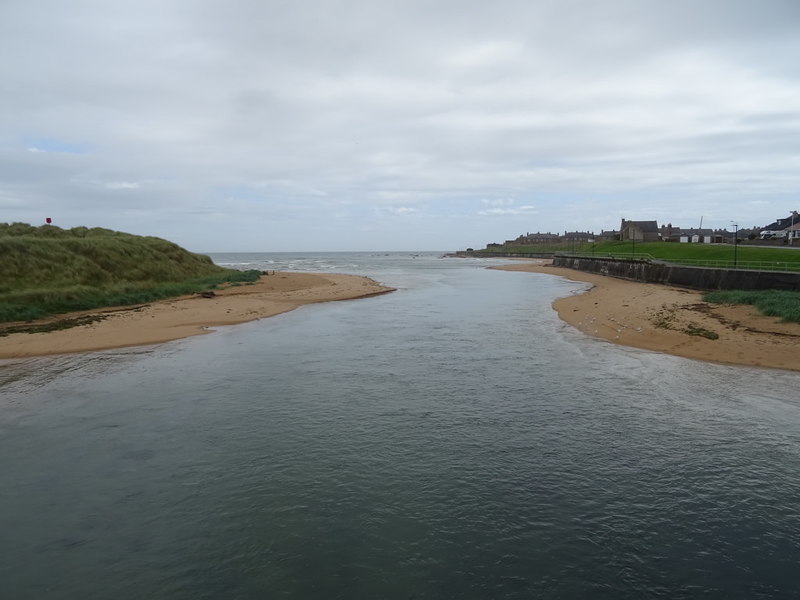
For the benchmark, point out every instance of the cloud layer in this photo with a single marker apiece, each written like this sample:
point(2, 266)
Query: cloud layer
point(311, 125)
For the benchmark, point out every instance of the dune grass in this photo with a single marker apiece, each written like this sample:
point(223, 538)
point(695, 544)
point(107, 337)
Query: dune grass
point(47, 270)
point(772, 303)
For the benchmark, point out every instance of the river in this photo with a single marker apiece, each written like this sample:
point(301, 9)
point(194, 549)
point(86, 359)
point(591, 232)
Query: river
point(453, 439)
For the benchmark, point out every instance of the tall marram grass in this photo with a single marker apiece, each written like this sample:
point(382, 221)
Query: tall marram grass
point(773, 303)
point(47, 270)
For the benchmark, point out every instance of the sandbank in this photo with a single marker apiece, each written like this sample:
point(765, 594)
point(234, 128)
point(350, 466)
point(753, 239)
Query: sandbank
point(660, 318)
point(186, 316)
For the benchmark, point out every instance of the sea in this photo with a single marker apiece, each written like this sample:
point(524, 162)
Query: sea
point(452, 439)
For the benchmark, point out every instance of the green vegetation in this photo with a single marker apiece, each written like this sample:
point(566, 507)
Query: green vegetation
point(48, 270)
point(721, 255)
point(672, 251)
point(773, 303)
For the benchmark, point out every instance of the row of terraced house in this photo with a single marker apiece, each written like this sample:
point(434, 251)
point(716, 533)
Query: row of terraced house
point(782, 231)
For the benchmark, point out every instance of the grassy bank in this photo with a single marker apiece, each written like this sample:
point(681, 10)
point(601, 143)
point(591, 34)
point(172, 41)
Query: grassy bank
point(47, 270)
point(669, 251)
point(773, 303)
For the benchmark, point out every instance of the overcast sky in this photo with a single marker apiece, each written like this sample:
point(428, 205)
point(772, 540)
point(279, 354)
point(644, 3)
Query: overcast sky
point(303, 125)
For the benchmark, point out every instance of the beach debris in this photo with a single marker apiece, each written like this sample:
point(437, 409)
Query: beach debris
point(693, 329)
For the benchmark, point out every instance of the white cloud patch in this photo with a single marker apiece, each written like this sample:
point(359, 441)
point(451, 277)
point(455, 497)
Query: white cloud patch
point(122, 185)
point(501, 207)
point(485, 54)
point(400, 211)
point(497, 201)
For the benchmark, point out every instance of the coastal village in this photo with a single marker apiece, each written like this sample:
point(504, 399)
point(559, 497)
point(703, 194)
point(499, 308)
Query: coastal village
point(782, 231)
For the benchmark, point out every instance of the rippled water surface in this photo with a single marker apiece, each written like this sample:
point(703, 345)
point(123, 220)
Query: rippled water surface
point(450, 440)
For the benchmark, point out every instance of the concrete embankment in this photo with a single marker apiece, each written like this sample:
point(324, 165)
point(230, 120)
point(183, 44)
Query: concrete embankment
point(700, 278)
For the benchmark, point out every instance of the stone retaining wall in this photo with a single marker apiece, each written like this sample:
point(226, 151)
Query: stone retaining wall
point(700, 278)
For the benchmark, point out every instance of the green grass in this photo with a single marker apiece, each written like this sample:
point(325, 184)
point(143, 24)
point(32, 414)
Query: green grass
point(47, 271)
point(708, 252)
point(767, 256)
point(772, 303)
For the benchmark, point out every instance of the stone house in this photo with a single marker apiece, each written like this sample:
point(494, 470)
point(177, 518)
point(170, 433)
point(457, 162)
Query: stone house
point(640, 231)
point(578, 236)
point(609, 236)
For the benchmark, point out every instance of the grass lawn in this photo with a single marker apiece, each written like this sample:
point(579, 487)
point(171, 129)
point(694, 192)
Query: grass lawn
point(767, 257)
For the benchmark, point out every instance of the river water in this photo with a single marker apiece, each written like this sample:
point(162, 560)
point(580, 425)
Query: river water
point(453, 439)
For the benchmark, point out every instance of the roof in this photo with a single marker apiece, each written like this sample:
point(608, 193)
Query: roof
point(644, 226)
point(781, 224)
point(696, 231)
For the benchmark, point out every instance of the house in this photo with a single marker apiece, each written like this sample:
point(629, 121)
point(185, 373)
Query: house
point(639, 231)
point(542, 238)
point(749, 233)
point(578, 236)
point(696, 236)
point(670, 233)
point(794, 233)
point(609, 236)
point(783, 224)
point(723, 236)
point(528, 238)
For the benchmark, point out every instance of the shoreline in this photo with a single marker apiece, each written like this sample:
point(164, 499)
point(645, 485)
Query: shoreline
point(641, 315)
point(186, 316)
point(671, 320)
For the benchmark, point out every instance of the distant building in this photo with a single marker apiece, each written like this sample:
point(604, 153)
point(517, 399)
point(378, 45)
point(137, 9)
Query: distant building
point(542, 238)
point(723, 236)
point(794, 232)
point(749, 233)
point(528, 239)
point(783, 224)
point(670, 233)
point(578, 236)
point(696, 236)
point(640, 231)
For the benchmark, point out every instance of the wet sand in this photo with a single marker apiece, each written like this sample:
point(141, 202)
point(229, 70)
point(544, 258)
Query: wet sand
point(186, 316)
point(672, 320)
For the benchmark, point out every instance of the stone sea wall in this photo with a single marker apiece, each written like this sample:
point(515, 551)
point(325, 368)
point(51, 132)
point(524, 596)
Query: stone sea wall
point(701, 278)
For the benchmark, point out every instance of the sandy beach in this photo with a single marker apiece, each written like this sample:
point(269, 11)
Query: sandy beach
point(672, 320)
point(649, 316)
point(190, 315)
